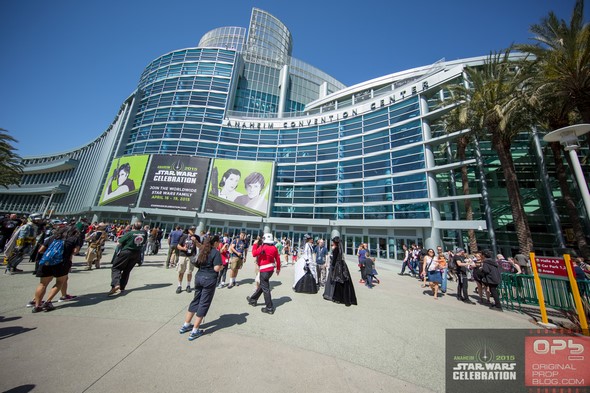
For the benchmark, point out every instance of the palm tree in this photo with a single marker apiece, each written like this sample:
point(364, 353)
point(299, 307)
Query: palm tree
point(452, 123)
point(563, 53)
point(11, 166)
point(559, 85)
point(493, 109)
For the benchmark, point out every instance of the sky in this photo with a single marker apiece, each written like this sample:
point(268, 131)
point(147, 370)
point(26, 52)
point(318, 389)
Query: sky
point(66, 66)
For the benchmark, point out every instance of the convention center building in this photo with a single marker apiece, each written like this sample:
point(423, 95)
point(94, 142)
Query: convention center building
point(236, 134)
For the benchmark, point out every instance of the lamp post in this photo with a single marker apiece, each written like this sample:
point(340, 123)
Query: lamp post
point(568, 137)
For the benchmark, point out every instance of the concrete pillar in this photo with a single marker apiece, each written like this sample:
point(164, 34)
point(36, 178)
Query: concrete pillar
point(432, 236)
point(283, 90)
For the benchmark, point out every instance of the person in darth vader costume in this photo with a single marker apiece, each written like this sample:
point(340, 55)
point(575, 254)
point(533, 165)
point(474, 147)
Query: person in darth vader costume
point(305, 270)
point(339, 287)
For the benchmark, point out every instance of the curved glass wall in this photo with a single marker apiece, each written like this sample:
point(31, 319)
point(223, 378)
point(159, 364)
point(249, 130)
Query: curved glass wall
point(269, 40)
point(231, 37)
point(182, 94)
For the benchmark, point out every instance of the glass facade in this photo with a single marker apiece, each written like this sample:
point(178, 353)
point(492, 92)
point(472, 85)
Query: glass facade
point(372, 162)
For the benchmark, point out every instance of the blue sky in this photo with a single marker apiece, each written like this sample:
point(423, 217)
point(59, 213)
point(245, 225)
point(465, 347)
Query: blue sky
point(67, 65)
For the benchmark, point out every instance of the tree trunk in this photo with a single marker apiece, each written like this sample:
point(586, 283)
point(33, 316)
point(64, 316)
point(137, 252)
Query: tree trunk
point(461, 146)
point(523, 232)
point(561, 175)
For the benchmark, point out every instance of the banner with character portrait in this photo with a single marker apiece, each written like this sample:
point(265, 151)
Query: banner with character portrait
point(124, 180)
point(240, 187)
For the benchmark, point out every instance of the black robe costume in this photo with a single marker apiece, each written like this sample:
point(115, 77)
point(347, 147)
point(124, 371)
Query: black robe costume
point(339, 287)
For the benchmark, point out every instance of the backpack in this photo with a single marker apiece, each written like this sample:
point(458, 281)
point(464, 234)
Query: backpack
point(54, 255)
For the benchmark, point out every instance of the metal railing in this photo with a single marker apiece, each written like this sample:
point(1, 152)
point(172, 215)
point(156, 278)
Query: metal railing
point(517, 290)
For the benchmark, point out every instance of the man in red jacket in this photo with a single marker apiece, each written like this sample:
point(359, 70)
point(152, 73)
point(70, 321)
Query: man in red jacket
point(268, 259)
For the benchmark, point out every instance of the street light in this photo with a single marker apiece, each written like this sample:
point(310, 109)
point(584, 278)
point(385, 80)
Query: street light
point(568, 137)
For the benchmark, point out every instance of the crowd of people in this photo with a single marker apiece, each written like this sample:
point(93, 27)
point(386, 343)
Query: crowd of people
point(51, 244)
point(435, 268)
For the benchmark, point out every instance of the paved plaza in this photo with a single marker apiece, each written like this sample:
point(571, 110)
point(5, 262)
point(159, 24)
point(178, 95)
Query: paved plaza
point(393, 341)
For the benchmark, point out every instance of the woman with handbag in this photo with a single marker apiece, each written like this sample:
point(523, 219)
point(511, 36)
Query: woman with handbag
point(433, 272)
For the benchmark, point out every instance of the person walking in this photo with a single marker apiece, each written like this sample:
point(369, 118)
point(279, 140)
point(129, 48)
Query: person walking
point(339, 287)
point(406, 262)
point(173, 252)
point(223, 249)
point(188, 248)
point(268, 259)
point(96, 240)
point(209, 265)
point(130, 245)
point(22, 240)
point(432, 271)
point(51, 266)
point(321, 254)
point(492, 277)
point(460, 266)
point(236, 249)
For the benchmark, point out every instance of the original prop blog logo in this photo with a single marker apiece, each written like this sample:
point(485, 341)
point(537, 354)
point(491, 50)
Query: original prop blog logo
point(484, 364)
point(556, 361)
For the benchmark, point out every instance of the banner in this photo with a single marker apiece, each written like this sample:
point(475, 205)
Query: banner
point(239, 187)
point(124, 181)
point(175, 182)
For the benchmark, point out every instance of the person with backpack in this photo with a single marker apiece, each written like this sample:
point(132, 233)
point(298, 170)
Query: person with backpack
point(56, 262)
point(22, 240)
point(96, 240)
point(129, 255)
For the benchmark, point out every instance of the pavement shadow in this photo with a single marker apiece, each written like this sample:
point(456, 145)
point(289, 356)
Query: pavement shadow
point(11, 331)
point(246, 281)
point(280, 301)
point(430, 292)
point(224, 321)
point(4, 319)
point(89, 299)
point(21, 389)
point(149, 286)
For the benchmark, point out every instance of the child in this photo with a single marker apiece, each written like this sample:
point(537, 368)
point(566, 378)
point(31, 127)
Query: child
point(369, 271)
point(295, 251)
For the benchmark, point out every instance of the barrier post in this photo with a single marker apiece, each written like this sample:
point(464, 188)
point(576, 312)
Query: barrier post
point(539, 290)
point(576, 294)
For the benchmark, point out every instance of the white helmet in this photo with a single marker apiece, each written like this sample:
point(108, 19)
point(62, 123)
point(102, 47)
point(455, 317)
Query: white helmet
point(268, 238)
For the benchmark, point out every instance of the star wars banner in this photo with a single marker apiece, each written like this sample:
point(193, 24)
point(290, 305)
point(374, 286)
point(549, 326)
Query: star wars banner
point(124, 181)
point(175, 182)
point(239, 187)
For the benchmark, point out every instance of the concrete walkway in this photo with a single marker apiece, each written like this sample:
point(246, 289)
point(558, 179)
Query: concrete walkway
point(392, 341)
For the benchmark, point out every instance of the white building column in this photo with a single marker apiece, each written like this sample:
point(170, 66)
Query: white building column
point(432, 236)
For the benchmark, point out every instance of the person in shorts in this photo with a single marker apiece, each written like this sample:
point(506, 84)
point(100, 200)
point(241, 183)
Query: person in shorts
point(188, 247)
point(71, 237)
point(236, 249)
